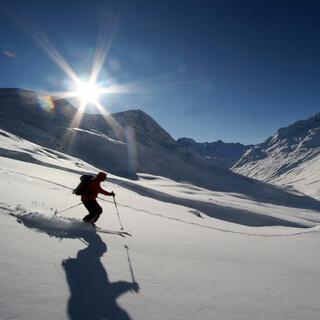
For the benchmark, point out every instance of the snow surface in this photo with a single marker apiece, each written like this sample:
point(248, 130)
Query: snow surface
point(184, 261)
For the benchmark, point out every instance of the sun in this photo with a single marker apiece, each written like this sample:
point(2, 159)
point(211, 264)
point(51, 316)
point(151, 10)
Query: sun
point(87, 92)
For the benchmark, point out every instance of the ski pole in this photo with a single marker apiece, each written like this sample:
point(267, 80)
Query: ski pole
point(118, 215)
point(130, 265)
point(58, 212)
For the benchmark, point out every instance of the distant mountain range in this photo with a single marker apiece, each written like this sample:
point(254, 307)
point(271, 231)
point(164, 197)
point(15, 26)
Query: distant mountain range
point(131, 142)
point(217, 153)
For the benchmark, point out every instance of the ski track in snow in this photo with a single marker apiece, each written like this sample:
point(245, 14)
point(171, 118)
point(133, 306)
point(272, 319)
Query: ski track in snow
point(60, 226)
point(198, 205)
point(181, 202)
point(211, 209)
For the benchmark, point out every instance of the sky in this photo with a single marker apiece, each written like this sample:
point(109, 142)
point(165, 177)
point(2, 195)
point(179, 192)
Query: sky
point(220, 69)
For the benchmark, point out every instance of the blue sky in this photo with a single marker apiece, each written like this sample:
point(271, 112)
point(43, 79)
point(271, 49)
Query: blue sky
point(230, 70)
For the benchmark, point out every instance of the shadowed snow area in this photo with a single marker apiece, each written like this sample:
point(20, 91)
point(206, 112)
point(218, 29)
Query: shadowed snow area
point(92, 294)
point(230, 214)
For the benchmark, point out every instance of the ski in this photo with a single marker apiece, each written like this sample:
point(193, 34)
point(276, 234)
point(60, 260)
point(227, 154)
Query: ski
point(101, 230)
point(119, 233)
point(88, 227)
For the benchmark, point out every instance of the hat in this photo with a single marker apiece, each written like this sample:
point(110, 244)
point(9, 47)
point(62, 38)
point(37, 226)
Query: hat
point(102, 176)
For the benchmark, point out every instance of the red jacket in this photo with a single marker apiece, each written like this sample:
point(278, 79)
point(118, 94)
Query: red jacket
point(94, 189)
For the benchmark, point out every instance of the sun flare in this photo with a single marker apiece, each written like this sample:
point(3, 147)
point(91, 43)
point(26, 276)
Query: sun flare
point(87, 92)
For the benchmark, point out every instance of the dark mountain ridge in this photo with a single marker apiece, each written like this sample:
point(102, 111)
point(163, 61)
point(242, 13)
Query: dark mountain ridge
point(217, 153)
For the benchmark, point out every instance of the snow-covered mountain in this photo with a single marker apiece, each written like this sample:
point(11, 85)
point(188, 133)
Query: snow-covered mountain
point(290, 157)
point(195, 253)
point(217, 153)
point(124, 143)
point(228, 251)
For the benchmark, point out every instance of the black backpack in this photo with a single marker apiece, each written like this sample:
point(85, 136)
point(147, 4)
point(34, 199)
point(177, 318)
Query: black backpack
point(82, 187)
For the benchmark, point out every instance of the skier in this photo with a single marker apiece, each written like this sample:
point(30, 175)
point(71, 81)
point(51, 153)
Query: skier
point(89, 198)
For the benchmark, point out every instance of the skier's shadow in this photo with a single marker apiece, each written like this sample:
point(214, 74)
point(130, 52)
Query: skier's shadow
point(92, 295)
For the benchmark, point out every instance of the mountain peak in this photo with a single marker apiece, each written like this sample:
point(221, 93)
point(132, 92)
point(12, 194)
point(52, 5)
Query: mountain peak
point(186, 141)
point(316, 116)
point(298, 130)
point(146, 129)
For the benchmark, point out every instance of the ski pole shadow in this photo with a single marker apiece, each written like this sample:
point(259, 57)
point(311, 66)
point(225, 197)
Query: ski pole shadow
point(92, 295)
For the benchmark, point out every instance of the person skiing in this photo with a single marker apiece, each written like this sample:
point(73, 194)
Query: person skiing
point(89, 199)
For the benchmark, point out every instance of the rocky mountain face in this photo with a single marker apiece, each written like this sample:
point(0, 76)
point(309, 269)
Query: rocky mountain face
point(217, 153)
point(289, 157)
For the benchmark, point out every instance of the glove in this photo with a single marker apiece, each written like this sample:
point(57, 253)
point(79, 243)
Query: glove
point(112, 193)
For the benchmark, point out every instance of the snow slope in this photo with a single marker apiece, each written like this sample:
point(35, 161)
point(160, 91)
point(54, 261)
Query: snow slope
point(289, 158)
point(186, 260)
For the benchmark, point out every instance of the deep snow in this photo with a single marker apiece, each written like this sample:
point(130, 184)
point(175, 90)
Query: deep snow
point(182, 266)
